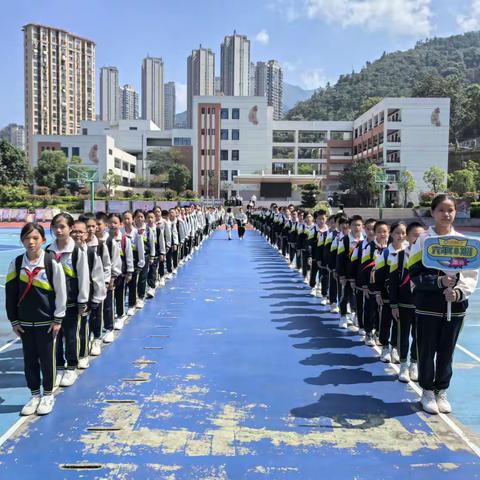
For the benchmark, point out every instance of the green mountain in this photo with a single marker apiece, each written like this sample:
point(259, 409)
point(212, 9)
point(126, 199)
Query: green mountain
point(396, 74)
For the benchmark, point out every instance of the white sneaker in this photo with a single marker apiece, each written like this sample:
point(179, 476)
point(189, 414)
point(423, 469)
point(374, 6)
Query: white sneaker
point(334, 308)
point(162, 281)
point(413, 371)
point(352, 319)
point(324, 301)
point(306, 280)
point(174, 272)
point(96, 347)
point(319, 292)
point(83, 363)
point(313, 292)
point(109, 337)
point(343, 322)
point(378, 343)
point(140, 303)
point(369, 340)
point(442, 402)
point(69, 378)
point(31, 406)
point(385, 356)
point(361, 332)
point(404, 375)
point(168, 276)
point(119, 322)
point(429, 403)
point(46, 405)
point(58, 378)
point(131, 311)
point(150, 292)
point(395, 356)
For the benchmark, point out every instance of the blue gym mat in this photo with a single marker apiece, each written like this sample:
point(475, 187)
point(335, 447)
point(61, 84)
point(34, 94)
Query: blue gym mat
point(233, 371)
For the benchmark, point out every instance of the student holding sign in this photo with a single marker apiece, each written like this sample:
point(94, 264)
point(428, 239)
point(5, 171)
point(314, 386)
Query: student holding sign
point(441, 301)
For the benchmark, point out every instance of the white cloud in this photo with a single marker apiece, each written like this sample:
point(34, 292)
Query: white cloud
point(290, 9)
point(470, 22)
point(404, 17)
point(262, 37)
point(180, 97)
point(313, 78)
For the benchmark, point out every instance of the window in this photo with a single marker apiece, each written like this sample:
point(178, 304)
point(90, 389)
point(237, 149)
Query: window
point(235, 134)
point(224, 114)
point(224, 175)
point(118, 164)
point(132, 168)
point(284, 136)
point(223, 134)
point(182, 141)
point(309, 168)
point(203, 110)
point(132, 128)
point(110, 151)
point(84, 131)
point(309, 152)
point(235, 113)
point(311, 136)
point(283, 152)
point(159, 142)
point(125, 166)
point(393, 156)
point(282, 168)
point(336, 135)
point(235, 155)
point(65, 151)
point(394, 115)
point(75, 151)
point(234, 174)
point(224, 155)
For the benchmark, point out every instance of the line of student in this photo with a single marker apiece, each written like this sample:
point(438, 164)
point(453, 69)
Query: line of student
point(371, 275)
point(65, 301)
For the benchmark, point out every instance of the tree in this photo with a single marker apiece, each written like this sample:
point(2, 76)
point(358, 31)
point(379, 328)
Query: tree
point(14, 167)
point(359, 181)
point(160, 161)
point(310, 194)
point(368, 103)
point(179, 177)
point(434, 177)
point(406, 184)
point(52, 169)
point(462, 181)
point(111, 181)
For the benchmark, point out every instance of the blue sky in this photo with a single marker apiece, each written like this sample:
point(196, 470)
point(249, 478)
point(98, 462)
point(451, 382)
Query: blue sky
point(315, 40)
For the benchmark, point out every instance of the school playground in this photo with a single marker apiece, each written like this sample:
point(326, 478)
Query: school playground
point(233, 372)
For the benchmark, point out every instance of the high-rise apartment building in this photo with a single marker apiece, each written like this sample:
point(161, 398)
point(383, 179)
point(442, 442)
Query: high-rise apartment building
point(252, 79)
point(59, 81)
point(200, 77)
point(269, 83)
point(129, 101)
point(15, 134)
point(152, 91)
point(170, 109)
point(235, 65)
point(109, 94)
point(218, 85)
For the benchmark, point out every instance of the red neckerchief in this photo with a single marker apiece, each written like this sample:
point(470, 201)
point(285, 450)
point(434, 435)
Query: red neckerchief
point(58, 256)
point(31, 275)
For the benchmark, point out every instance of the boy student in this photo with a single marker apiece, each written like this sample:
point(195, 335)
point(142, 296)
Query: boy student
point(300, 241)
point(357, 264)
point(35, 301)
point(352, 235)
point(172, 216)
point(321, 227)
point(124, 245)
point(292, 237)
point(310, 239)
point(147, 235)
point(103, 235)
point(403, 308)
point(97, 289)
point(102, 249)
point(138, 250)
point(331, 247)
point(156, 270)
point(324, 274)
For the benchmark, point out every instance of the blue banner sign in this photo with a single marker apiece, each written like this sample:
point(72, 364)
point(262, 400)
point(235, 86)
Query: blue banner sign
point(451, 253)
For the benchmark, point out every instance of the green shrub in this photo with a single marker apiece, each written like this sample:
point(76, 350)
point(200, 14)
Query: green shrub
point(475, 212)
point(9, 194)
point(63, 192)
point(127, 194)
point(189, 194)
point(42, 191)
point(169, 194)
point(148, 194)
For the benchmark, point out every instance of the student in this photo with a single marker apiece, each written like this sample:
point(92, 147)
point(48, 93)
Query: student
point(147, 236)
point(97, 289)
point(310, 239)
point(321, 227)
point(436, 334)
point(292, 237)
point(172, 215)
point(356, 268)
point(352, 236)
point(323, 245)
point(124, 245)
point(403, 308)
point(156, 271)
point(35, 301)
point(102, 250)
point(241, 219)
point(134, 301)
point(300, 240)
point(229, 221)
point(103, 235)
point(380, 279)
point(75, 265)
point(331, 251)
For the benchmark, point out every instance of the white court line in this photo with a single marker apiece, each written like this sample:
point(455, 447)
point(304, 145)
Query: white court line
point(468, 352)
point(11, 342)
point(474, 447)
point(12, 429)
